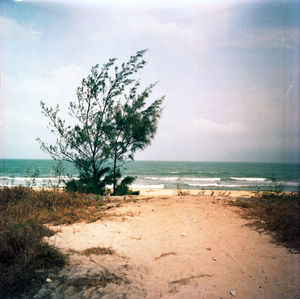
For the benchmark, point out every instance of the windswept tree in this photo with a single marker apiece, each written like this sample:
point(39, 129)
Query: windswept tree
point(133, 127)
point(112, 121)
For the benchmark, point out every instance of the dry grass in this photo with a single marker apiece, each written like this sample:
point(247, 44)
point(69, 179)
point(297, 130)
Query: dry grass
point(49, 206)
point(180, 192)
point(98, 251)
point(94, 250)
point(24, 257)
point(97, 280)
point(278, 214)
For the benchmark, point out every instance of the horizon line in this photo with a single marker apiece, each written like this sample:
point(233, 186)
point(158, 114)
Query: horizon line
point(141, 160)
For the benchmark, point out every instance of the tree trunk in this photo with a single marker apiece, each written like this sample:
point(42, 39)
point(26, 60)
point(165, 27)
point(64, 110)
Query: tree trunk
point(114, 173)
point(95, 175)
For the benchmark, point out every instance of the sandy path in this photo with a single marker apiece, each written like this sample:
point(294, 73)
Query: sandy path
point(175, 247)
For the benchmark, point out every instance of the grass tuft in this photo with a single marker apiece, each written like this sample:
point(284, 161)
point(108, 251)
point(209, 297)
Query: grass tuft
point(97, 280)
point(94, 250)
point(98, 251)
point(23, 253)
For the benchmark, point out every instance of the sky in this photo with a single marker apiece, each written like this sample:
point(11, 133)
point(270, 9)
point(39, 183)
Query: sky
point(229, 70)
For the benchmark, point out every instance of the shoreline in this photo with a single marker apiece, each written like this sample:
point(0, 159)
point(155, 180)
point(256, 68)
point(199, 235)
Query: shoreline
point(179, 192)
point(194, 192)
point(192, 175)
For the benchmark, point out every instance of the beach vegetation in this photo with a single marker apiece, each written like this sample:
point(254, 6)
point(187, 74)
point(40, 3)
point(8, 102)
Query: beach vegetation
point(100, 279)
point(31, 177)
point(59, 170)
point(111, 121)
point(95, 251)
point(276, 213)
point(26, 259)
point(276, 185)
point(180, 192)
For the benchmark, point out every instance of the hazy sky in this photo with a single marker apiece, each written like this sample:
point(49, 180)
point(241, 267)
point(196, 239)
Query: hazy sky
point(229, 70)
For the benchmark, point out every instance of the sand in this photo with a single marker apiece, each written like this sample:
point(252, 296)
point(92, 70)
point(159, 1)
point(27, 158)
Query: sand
point(168, 246)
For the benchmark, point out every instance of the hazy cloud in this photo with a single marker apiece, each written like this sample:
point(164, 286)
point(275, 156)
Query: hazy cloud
point(211, 127)
point(169, 34)
point(9, 27)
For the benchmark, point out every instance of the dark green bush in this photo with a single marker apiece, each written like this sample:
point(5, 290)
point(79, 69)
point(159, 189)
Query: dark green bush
point(22, 253)
point(123, 189)
point(86, 185)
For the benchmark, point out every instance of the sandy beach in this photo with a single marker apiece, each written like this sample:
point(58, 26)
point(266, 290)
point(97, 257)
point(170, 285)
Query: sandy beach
point(166, 246)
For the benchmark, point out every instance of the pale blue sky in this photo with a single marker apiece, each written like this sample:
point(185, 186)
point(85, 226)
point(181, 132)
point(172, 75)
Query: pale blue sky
point(229, 70)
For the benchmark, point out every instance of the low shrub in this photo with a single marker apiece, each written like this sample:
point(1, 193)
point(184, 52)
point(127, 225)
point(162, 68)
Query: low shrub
point(25, 259)
point(279, 214)
point(85, 186)
point(123, 187)
point(24, 256)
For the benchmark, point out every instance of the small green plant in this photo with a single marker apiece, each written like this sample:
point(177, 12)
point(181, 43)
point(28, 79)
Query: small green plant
point(59, 170)
point(123, 187)
point(181, 192)
point(178, 189)
point(276, 186)
point(32, 175)
point(257, 191)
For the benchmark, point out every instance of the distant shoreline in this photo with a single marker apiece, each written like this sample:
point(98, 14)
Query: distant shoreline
point(165, 175)
point(185, 161)
point(181, 192)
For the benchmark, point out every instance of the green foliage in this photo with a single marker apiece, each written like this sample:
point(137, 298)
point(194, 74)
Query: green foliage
point(112, 121)
point(89, 184)
point(59, 170)
point(122, 188)
point(277, 186)
point(23, 251)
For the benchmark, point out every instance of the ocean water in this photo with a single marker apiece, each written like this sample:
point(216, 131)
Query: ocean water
point(167, 174)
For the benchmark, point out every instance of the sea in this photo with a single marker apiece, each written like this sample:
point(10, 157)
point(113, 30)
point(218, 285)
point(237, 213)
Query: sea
point(164, 174)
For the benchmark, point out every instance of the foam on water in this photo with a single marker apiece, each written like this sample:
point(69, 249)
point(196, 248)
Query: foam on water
point(217, 185)
point(183, 178)
point(203, 185)
point(249, 179)
point(167, 174)
point(136, 186)
point(202, 179)
point(175, 178)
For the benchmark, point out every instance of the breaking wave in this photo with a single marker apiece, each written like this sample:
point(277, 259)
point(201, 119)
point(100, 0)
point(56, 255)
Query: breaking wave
point(160, 186)
point(249, 179)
